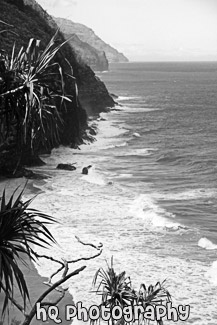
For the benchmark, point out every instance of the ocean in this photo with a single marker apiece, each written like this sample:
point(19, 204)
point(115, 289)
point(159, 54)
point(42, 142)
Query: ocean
point(151, 194)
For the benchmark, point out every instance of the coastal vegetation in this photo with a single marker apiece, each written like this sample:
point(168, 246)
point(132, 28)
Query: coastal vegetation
point(40, 108)
point(32, 98)
point(30, 20)
point(116, 289)
point(61, 100)
point(22, 229)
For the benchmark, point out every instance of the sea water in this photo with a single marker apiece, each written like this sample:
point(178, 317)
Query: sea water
point(151, 194)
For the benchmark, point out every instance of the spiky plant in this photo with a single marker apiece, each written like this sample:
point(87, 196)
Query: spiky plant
point(114, 288)
point(21, 227)
point(152, 296)
point(6, 30)
point(32, 93)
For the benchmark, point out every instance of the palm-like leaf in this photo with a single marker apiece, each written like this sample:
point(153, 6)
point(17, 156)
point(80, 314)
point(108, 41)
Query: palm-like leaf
point(31, 89)
point(152, 296)
point(115, 289)
point(20, 228)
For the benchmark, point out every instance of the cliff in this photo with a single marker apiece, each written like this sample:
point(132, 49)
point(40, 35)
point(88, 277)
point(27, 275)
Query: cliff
point(87, 35)
point(88, 54)
point(30, 20)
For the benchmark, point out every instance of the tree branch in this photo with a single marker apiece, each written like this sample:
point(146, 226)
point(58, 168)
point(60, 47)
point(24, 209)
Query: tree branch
point(30, 316)
point(49, 258)
point(65, 276)
point(89, 244)
point(86, 258)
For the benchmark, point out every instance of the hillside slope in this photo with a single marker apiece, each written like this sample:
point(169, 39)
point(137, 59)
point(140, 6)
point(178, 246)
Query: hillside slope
point(30, 20)
point(87, 35)
point(88, 54)
point(25, 23)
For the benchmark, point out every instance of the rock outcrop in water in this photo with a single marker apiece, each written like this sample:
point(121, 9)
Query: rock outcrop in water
point(87, 35)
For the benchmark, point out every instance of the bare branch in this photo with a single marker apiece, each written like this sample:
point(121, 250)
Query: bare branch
point(55, 302)
point(86, 258)
point(89, 244)
point(66, 269)
point(49, 258)
point(30, 316)
point(55, 273)
point(61, 290)
point(61, 281)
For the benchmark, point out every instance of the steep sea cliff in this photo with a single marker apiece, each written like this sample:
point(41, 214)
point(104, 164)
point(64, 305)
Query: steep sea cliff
point(26, 20)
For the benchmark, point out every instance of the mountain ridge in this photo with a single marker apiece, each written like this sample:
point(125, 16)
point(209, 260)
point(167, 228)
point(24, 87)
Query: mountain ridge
point(27, 19)
point(87, 35)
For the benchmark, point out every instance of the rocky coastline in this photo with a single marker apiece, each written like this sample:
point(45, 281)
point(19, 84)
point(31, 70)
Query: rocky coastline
point(27, 19)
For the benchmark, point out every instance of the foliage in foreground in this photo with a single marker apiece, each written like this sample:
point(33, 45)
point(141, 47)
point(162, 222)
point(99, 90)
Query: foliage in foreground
point(20, 228)
point(116, 289)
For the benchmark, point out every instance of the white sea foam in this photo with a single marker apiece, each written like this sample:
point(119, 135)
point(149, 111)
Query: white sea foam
point(139, 108)
point(123, 176)
point(125, 98)
point(95, 177)
point(206, 243)
point(117, 145)
point(136, 135)
point(211, 274)
point(136, 152)
point(108, 134)
point(145, 207)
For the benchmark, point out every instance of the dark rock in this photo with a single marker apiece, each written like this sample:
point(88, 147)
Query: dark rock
point(92, 131)
point(101, 119)
point(85, 169)
point(114, 96)
point(116, 109)
point(66, 166)
point(31, 20)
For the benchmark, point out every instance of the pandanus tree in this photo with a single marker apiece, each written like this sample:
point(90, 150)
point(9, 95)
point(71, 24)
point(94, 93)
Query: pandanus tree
point(32, 95)
point(21, 227)
point(116, 289)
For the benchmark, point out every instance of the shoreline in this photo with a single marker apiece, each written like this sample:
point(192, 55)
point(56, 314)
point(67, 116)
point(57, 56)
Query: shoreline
point(36, 287)
point(35, 282)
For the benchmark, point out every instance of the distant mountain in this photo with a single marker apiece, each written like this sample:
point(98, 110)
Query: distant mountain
point(86, 53)
point(92, 92)
point(29, 19)
point(87, 35)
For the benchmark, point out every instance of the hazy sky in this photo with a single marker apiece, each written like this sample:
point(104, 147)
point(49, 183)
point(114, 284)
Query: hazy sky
point(148, 29)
